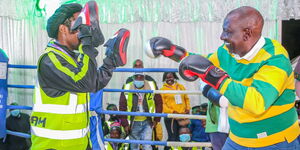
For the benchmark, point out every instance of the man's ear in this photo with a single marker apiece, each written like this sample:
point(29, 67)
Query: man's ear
point(62, 28)
point(247, 34)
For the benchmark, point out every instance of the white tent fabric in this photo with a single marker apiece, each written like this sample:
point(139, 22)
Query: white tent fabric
point(24, 37)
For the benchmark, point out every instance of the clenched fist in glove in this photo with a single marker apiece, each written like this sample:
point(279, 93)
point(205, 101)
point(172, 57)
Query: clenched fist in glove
point(161, 46)
point(213, 95)
point(195, 66)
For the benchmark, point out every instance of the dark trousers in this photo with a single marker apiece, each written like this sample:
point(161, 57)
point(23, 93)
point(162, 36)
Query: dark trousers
point(218, 139)
point(172, 129)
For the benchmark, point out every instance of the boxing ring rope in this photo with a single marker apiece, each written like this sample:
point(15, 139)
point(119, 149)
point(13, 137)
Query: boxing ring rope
point(163, 143)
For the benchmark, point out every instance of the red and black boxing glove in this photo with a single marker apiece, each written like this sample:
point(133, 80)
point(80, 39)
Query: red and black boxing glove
point(89, 16)
point(195, 66)
point(161, 46)
point(116, 47)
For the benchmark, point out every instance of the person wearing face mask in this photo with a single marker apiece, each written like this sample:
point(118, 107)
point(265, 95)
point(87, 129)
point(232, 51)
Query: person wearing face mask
point(140, 127)
point(138, 63)
point(172, 103)
point(19, 122)
point(184, 136)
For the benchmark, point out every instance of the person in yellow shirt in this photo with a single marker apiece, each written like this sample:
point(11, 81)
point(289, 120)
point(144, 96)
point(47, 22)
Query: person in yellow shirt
point(173, 103)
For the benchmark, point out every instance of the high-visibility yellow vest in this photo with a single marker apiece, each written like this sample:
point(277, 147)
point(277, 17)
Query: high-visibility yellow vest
point(180, 148)
point(149, 97)
point(122, 146)
point(62, 122)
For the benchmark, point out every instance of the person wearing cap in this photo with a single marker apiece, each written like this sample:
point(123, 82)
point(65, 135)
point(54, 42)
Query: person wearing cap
point(138, 63)
point(113, 118)
point(67, 73)
point(18, 122)
point(115, 132)
point(140, 127)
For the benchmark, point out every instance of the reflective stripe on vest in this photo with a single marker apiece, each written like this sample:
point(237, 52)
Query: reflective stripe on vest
point(72, 108)
point(59, 135)
point(109, 146)
point(59, 118)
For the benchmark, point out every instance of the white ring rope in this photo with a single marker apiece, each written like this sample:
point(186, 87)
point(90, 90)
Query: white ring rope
point(176, 92)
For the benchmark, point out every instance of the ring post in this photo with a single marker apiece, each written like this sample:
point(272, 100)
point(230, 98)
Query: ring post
point(3, 92)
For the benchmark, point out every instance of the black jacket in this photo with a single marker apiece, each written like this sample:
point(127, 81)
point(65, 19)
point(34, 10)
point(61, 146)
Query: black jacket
point(56, 83)
point(19, 124)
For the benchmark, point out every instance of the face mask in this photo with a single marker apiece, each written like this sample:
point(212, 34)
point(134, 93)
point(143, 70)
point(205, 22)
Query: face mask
point(15, 112)
point(185, 137)
point(138, 84)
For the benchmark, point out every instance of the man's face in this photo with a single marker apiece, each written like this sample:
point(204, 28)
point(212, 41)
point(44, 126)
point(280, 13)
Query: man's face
point(139, 77)
point(233, 35)
point(71, 36)
point(138, 64)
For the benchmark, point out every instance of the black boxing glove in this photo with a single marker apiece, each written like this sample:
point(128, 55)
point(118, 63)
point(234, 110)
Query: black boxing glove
point(117, 47)
point(161, 46)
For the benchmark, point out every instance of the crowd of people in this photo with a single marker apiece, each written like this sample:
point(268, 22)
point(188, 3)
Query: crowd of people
point(148, 128)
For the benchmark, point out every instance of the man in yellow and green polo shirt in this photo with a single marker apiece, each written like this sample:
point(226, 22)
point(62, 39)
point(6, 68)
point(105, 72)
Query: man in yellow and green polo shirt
point(255, 75)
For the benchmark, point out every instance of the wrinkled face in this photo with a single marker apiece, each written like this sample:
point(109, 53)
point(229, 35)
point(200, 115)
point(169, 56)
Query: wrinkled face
point(170, 79)
point(233, 35)
point(138, 64)
point(115, 134)
point(71, 38)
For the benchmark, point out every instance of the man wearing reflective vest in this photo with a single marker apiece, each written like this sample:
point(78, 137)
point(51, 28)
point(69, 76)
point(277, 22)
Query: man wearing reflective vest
point(140, 127)
point(67, 72)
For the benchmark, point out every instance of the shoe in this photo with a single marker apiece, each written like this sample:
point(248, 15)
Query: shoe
point(89, 16)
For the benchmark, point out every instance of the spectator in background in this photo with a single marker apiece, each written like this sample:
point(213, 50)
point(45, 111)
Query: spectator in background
point(138, 63)
point(140, 127)
point(173, 103)
point(114, 118)
point(197, 126)
point(19, 122)
point(184, 136)
point(115, 132)
point(203, 109)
